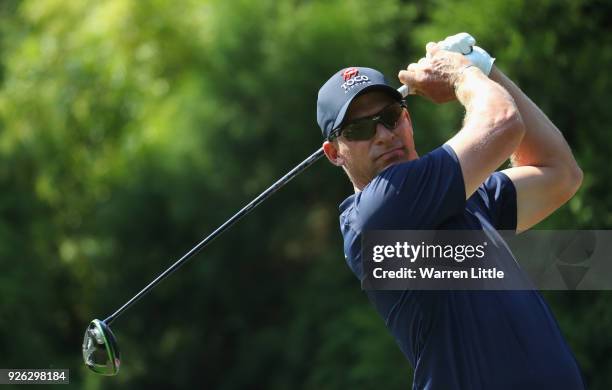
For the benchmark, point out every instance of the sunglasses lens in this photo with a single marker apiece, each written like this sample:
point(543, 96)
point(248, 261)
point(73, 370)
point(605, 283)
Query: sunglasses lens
point(359, 131)
point(390, 116)
point(365, 129)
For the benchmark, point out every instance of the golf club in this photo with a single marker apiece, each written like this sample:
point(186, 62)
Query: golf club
point(100, 350)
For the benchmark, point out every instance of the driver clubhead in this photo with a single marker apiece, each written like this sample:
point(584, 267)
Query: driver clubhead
point(100, 350)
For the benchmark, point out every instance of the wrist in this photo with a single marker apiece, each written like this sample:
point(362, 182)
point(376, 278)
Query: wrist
point(463, 75)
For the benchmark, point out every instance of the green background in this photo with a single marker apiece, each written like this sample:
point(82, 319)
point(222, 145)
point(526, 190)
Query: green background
point(129, 130)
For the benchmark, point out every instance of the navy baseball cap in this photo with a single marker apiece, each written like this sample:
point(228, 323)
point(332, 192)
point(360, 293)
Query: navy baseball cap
point(338, 92)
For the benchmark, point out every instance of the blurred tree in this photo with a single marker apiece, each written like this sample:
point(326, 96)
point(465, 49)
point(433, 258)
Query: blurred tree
point(129, 130)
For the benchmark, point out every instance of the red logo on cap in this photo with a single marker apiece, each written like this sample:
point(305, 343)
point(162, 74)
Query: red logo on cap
point(350, 73)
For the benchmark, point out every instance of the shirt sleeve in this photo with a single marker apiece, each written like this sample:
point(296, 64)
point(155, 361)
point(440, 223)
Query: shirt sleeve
point(418, 194)
point(499, 197)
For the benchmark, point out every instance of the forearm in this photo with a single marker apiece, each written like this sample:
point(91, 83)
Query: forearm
point(492, 128)
point(489, 107)
point(543, 144)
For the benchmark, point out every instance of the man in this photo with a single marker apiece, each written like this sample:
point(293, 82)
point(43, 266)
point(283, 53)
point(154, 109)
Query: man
point(454, 339)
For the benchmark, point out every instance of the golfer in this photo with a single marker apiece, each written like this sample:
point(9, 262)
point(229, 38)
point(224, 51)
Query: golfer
point(465, 340)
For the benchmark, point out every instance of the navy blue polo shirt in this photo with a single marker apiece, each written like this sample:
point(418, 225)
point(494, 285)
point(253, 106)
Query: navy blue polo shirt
point(466, 340)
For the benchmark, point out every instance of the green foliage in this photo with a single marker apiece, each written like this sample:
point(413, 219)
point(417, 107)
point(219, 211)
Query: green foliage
point(130, 129)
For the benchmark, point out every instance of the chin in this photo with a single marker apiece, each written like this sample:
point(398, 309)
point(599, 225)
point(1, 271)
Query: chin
point(411, 156)
point(388, 164)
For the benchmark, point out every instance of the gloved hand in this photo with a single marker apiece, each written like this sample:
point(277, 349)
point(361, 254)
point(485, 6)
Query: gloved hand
point(464, 43)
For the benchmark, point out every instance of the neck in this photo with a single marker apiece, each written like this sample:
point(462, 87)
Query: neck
point(357, 185)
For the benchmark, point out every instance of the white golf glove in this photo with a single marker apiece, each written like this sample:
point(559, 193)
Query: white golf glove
point(464, 43)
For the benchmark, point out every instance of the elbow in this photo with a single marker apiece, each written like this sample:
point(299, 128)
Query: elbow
point(575, 176)
point(514, 122)
point(569, 182)
point(510, 123)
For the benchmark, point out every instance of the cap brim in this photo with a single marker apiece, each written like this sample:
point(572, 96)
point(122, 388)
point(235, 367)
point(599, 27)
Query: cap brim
point(392, 91)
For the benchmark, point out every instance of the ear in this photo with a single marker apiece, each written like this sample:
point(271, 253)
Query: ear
point(331, 152)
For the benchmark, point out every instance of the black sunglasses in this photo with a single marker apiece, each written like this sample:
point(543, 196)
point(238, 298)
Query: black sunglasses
point(365, 128)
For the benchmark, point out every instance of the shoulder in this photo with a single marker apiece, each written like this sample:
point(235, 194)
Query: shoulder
point(436, 165)
point(418, 193)
point(441, 157)
point(496, 184)
point(498, 198)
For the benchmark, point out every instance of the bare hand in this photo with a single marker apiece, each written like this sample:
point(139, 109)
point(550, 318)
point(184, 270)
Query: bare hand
point(435, 76)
